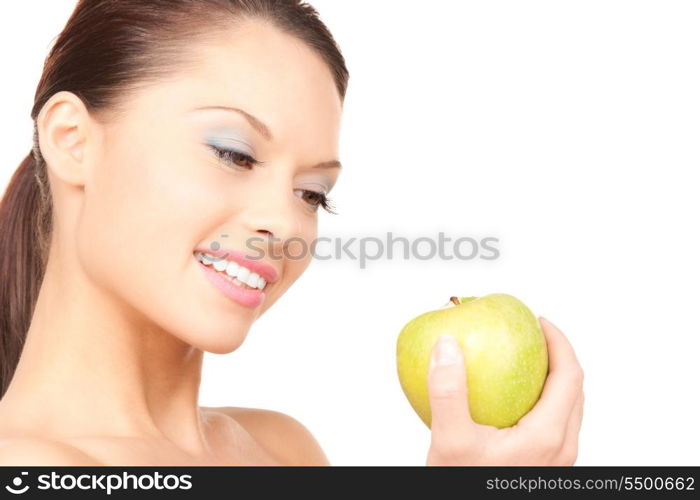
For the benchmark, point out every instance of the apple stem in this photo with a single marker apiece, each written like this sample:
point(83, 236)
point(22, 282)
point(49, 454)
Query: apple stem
point(455, 300)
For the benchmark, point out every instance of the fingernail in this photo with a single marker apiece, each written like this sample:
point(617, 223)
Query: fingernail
point(448, 350)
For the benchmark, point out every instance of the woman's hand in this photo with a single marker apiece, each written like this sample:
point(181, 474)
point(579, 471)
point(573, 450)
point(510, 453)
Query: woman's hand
point(547, 435)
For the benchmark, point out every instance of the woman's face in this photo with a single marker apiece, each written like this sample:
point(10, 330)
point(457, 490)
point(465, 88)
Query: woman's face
point(174, 177)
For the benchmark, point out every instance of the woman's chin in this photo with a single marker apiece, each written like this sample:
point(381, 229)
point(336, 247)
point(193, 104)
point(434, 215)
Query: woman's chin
point(218, 342)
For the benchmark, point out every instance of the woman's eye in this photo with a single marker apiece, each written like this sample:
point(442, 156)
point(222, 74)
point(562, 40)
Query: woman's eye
point(235, 158)
point(315, 199)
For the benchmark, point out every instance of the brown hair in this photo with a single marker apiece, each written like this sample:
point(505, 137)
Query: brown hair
point(107, 48)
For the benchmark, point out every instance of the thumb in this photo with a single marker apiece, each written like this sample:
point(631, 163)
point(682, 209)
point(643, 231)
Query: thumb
point(447, 389)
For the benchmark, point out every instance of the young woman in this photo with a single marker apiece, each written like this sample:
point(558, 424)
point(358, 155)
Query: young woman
point(168, 135)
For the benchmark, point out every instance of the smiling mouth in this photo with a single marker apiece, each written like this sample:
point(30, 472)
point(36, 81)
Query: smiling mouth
point(234, 272)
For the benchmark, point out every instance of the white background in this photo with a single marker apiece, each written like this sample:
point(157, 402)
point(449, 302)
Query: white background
point(569, 130)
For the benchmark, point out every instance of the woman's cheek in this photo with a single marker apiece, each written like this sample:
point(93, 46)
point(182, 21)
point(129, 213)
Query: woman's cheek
point(137, 215)
point(299, 255)
point(293, 260)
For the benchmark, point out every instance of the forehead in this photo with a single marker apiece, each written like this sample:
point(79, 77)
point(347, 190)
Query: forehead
point(271, 75)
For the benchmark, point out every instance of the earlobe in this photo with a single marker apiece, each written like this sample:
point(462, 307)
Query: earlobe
point(63, 131)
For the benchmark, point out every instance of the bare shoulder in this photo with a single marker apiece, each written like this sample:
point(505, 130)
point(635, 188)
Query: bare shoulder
point(280, 434)
point(37, 451)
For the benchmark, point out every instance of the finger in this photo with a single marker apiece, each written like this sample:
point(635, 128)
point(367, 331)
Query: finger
point(562, 386)
point(562, 355)
point(570, 448)
point(576, 419)
point(447, 390)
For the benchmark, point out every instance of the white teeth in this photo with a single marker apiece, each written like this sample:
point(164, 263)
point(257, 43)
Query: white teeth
point(243, 274)
point(232, 269)
point(252, 280)
point(240, 275)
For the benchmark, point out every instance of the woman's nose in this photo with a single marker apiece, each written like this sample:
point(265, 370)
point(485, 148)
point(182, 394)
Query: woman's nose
point(269, 228)
point(265, 211)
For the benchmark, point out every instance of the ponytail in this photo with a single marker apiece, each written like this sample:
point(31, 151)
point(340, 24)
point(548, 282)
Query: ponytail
point(25, 225)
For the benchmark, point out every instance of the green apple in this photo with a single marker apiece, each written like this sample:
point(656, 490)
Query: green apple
point(504, 349)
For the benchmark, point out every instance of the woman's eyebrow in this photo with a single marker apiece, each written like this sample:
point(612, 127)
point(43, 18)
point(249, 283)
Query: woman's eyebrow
point(263, 129)
point(328, 164)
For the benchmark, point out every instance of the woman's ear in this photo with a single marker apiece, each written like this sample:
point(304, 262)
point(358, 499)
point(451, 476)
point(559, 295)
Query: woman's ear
point(64, 125)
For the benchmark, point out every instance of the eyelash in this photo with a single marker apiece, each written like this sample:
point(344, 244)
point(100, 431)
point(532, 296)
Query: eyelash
point(230, 157)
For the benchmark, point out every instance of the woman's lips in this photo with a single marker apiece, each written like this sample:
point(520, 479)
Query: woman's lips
point(237, 288)
point(255, 265)
point(248, 297)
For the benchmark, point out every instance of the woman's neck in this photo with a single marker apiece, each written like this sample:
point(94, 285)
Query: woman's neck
point(91, 366)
